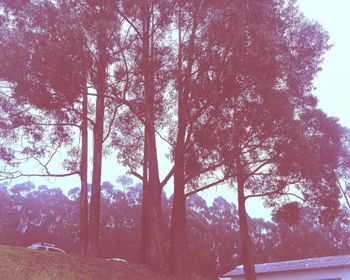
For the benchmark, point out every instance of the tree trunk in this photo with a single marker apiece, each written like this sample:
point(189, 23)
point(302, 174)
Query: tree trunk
point(152, 241)
point(144, 223)
point(152, 230)
point(178, 225)
point(249, 270)
point(178, 242)
point(178, 218)
point(83, 179)
point(94, 229)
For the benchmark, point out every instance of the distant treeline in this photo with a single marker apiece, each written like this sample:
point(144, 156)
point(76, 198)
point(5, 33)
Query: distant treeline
point(41, 214)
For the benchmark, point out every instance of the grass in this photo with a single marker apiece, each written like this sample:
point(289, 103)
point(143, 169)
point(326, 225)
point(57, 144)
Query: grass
point(25, 264)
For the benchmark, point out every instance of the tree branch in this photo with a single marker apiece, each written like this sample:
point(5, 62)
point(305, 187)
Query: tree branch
point(130, 23)
point(205, 170)
point(111, 124)
point(137, 175)
point(44, 165)
point(18, 174)
point(343, 193)
point(206, 187)
point(167, 177)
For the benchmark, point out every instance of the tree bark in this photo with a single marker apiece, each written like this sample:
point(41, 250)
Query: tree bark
point(178, 223)
point(152, 241)
point(178, 242)
point(178, 220)
point(94, 229)
point(83, 178)
point(249, 270)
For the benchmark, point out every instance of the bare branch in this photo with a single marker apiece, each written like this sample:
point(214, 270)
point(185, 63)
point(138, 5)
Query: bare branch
point(18, 174)
point(205, 170)
point(44, 165)
point(137, 175)
point(263, 163)
point(295, 195)
point(279, 191)
point(167, 177)
point(111, 123)
point(206, 187)
point(130, 23)
point(343, 193)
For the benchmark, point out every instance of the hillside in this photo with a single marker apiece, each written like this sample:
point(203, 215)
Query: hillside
point(25, 264)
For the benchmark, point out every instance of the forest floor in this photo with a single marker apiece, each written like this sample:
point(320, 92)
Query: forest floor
point(25, 264)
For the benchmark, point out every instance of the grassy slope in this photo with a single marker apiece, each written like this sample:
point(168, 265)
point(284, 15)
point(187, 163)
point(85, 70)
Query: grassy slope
point(24, 264)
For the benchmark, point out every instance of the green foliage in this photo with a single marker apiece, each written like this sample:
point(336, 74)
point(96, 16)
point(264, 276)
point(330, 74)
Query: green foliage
point(287, 213)
point(242, 78)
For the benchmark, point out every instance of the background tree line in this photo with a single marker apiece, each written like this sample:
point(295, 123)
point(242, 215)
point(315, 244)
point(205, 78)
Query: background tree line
point(226, 85)
point(40, 214)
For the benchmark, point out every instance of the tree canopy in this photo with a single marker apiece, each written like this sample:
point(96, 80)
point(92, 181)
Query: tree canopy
point(226, 85)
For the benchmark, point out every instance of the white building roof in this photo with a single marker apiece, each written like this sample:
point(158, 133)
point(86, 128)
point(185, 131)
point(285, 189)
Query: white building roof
point(296, 265)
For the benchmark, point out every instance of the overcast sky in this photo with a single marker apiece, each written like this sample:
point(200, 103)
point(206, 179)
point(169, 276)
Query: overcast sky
point(333, 90)
point(331, 84)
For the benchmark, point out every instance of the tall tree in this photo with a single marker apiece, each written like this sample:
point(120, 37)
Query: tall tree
point(50, 76)
point(58, 82)
point(148, 22)
point(195, 95)
point(178, 224)
point(266, 122)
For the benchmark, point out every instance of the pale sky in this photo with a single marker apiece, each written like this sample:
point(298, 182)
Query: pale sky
point(333, 90)
point(331, 85)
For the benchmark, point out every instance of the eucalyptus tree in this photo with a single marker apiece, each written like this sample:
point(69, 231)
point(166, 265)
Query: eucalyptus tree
point(267, 130)
point(161, 95)
point(101, 24)
point(65, 52)
point(45, 67)
point(195, 61)
point(146, 24)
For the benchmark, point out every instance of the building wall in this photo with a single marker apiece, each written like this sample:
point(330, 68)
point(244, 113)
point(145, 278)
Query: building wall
point(322, 274)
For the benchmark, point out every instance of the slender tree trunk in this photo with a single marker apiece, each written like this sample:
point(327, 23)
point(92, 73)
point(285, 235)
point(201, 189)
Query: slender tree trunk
point(178, 242)
point(249, 270)
point(145, 205)
point(145, 232)
point(178, 224)
point(83, 178)
point(94, 229)
point(178, 219)
point(152, 241)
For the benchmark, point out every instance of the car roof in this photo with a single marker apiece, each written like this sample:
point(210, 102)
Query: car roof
point(44, 244)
